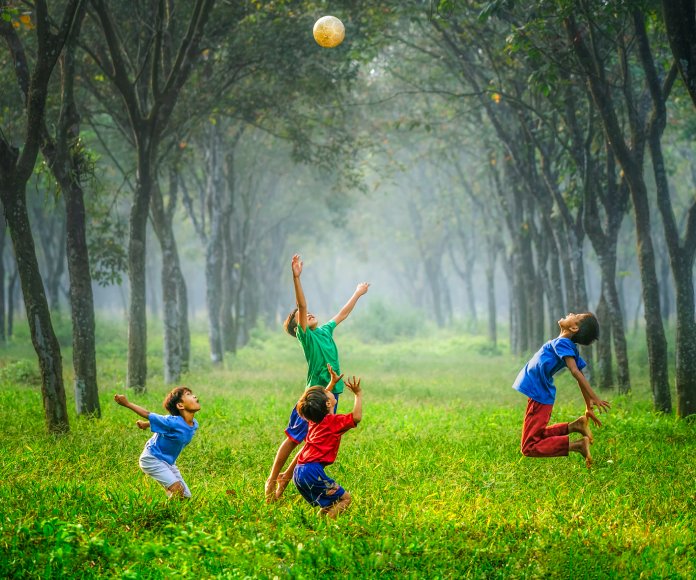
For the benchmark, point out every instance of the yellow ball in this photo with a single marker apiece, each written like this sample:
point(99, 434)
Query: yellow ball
point(329, 31)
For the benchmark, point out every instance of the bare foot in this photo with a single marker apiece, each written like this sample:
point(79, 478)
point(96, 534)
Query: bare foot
point(585, 451)
point(283, 481)
point(270, 490)
point(582, 426)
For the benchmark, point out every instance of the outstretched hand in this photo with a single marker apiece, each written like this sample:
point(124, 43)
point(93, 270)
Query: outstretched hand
point(296, 266)
point(602, 407)
point(353, 384)
point(142, 424)
point(362, 288)
point(121, 399)
point(334, 377)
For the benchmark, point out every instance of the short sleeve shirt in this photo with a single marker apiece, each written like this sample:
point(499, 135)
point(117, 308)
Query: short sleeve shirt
point(171, 434)
point(536, 378)
point(324, 438)
point(319, 349)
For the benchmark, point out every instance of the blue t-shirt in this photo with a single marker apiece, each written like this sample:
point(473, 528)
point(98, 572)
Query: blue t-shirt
point(171, 434)
point(536, 378)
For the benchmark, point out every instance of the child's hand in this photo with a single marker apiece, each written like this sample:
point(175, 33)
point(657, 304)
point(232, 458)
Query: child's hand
point(296, 266)
point(602, 406)
point(353, 385)
point(589, 413)
point(362, 288)
point(334, 377)
point(142, 424)
point(121, 399)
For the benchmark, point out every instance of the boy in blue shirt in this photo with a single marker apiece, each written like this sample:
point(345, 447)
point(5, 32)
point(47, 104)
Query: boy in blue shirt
point(320, 350)
point(535, 381)
point(171, 434)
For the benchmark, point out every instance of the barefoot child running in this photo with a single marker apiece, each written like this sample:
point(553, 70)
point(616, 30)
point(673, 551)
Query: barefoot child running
point(317, 406)
point(319, 349)
point(535, 381)
point(171, 434)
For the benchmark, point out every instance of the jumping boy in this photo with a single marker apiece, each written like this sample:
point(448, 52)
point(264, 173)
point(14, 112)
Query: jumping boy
point(535, 381)
point(317, 406)
point(319, 350)
point(171, 434)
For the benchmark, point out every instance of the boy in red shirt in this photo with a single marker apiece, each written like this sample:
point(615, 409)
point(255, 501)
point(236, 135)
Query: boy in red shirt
point(321, 445)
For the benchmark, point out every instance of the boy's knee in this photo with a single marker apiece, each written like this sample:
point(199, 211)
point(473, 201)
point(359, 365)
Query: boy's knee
point(526, 450)
point(346, 499)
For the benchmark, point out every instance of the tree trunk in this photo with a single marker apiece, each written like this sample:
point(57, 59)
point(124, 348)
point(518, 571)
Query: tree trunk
point(491, 304)
point(171, 273)
point(3, 228)
point(137, 304)
point(38, 314)
point(605, 375)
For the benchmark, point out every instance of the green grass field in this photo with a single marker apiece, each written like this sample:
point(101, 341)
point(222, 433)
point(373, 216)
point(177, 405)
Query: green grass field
point(440, 489)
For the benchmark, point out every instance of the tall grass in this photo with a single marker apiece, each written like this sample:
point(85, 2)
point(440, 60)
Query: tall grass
point(440, 489)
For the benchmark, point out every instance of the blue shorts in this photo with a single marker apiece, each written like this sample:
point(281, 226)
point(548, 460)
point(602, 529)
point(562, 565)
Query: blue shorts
point(297, 426)
point(315, 486)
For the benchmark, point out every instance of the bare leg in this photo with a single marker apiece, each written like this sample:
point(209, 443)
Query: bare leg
point(336, 508)
point(581, 425)
point(284, 451)
point(582, 446)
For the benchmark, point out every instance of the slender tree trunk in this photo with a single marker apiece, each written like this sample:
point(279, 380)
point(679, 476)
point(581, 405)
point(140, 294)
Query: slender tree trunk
point(491, 303)
point(605, 375)
point(38, 315)
point(171, 274)
point(3, 228)
point(183, 314)
point(137, 304)
point(11, 301)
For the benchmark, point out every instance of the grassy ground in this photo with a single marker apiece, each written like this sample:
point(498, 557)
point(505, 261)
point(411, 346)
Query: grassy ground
point(439, 486)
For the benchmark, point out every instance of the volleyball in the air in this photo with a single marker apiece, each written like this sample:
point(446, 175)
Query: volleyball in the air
point(329, 31)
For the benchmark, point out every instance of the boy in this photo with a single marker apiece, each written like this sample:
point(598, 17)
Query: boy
point(535, 381)
point(319, 350)
point(317, 406)
point(171, 434)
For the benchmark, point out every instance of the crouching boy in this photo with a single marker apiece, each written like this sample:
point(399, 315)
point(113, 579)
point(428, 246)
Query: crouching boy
point(171, 434)
point(321, 445)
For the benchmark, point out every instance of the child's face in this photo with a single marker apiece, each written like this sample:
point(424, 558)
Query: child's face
point(312, 321)
point(330, 402)
point(189, 402)
point(571, 321)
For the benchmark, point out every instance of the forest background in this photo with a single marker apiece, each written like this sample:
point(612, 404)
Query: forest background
point(487, 166)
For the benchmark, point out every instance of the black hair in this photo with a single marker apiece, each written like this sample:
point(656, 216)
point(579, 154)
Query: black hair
point(588, 330)
point(290, 324)
point(174, 398)
point(312, 405)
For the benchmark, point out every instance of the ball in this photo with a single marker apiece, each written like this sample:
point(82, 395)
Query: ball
point(329, 31)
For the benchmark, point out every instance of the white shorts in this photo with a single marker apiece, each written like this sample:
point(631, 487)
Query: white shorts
point(163, 473)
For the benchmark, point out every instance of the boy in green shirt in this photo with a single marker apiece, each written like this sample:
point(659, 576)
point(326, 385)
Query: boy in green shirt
point(319, 350)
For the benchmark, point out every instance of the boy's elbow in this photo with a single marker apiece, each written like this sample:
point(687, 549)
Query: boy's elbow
point(357, 419)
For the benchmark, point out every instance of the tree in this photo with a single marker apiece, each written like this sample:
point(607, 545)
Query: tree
point(16, 167)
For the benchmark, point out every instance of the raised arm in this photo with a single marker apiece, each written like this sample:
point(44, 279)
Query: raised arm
point(299, 292)
point(124, 402)
point(354, 385)
point(348, 308)
point(591, 399)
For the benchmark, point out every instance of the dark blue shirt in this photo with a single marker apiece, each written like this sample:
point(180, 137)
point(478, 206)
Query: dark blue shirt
point(171, 434)
point(536, 378)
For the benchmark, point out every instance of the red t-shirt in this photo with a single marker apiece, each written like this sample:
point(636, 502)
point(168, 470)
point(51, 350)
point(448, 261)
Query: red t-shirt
point(323, 439)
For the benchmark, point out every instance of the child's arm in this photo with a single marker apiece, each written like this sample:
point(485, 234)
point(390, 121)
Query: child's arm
point(354, 385)
point(299, 292)
point(348, 308)
point(334, 378)
point(591, 399)
point(121, 400)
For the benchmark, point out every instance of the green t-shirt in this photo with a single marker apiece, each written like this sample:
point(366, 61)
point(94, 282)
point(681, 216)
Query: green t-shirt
point(319, 349)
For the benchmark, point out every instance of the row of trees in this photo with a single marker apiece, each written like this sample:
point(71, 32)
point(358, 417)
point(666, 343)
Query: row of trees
point(523, 132)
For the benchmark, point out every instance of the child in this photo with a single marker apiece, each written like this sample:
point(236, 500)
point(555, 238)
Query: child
point(171, 434)
point(317, 406)
point(319, 350)
point(536, 381)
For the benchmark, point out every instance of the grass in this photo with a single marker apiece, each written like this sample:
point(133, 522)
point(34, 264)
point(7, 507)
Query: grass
point(440, 489)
